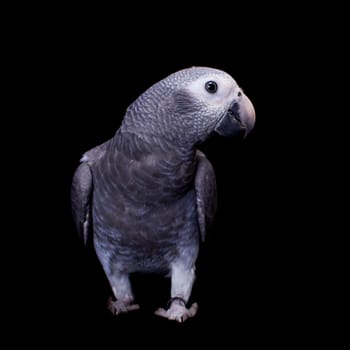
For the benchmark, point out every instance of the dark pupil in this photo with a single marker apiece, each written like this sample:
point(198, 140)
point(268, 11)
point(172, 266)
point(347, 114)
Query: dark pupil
point(211, 86)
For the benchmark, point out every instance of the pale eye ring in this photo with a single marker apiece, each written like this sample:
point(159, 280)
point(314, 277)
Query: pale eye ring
point(211, 86)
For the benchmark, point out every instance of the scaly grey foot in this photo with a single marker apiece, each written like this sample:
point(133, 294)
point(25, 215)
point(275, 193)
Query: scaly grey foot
point(178, 311)
point(120, 306)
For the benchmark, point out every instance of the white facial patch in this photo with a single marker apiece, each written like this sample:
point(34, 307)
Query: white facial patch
point(226, 90)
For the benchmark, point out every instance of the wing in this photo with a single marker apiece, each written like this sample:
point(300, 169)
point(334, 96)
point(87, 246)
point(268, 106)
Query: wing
point(81, 199)
point(81, 190)
point(205, 186)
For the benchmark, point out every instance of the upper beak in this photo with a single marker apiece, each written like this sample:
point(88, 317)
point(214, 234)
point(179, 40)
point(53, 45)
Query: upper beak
point(240, 117)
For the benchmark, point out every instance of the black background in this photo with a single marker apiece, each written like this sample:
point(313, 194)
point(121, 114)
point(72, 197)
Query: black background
point(255, 268)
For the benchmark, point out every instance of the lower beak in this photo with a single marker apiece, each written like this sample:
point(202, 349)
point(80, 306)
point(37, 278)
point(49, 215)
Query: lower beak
point(240, 117)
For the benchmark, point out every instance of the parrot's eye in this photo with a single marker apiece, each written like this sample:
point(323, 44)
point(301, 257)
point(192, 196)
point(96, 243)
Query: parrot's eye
point(211, 86)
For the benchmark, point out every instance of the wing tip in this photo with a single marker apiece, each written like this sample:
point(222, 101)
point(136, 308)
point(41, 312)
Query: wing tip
point(84, 158)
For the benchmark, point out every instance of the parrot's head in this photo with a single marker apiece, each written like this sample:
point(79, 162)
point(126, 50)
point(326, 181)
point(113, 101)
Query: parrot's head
point(190, 105)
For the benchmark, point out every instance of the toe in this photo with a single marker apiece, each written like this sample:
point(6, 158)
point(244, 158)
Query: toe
point(132, 307)
point(161, 312)
point(193, 310)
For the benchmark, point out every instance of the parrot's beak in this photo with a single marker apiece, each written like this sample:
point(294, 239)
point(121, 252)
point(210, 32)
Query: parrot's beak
point(239, 118)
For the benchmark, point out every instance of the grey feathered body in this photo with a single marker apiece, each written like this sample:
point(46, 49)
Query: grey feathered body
point(147, 195)
point(143, 205)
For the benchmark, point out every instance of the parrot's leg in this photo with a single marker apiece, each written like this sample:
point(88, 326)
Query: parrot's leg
point(182, 280)
point(121, 287)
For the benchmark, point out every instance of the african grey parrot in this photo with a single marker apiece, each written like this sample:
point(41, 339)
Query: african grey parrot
point(147, 195)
